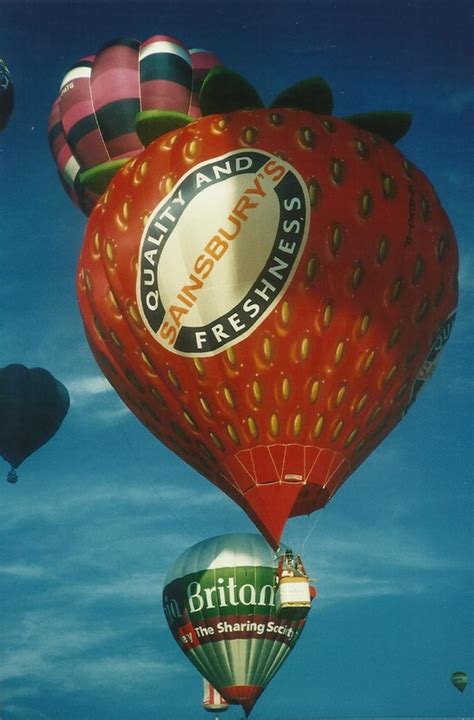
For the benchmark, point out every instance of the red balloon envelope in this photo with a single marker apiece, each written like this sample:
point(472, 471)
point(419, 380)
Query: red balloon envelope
point(268, 290)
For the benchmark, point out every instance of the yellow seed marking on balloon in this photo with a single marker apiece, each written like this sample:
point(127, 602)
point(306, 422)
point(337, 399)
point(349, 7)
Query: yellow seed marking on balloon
point(318, 428)
point(425, 209)
point(422, 310)
point(382, 251)
point(249, 135)
point(389, 187)
point(109, 251)
point(125, 210)
point(328, 314)
point(307, 138)
point(274, 425)
point(297, 424)
point(314, 392)
point(205, 406)
point(275, 118)
point(337, 430)
point(341, 394)
point(357, 277)
point(311, 266)
point(229, 397)
point(167, 184)
point(158, 396)
point(360, 445)
point(174, 379)
point(328, 125)
point(407, 168)
point(396, 290)
point(362, 149)
point(116, 340)
point(336, 239)
point(285, 388)
point(113, 301)
point(87, 281)
point(441, 246)
point(361, 404)
point(140, 172)
point(120, 222)
point(231, 356)
point(219, 126)
point(96, 243)
point(364, 324)
point(401, 391)
point(338, 171)
point(267, 348)
point(351, 437)
point(168, 142)
point(257, 391)
point(369, 361)
point(339, 352)
point(198, 364)
point(147, 361)
point(375, 413)
point(252, 426)
point(233, 433)
point(216, 440)
point(190, 419)
point(134, 314)
point(389, 376)
point(314, 190)
point(304, 348)
point(394, 337)
point(191, 150)
point(285, 312)
point(419, 269)
point(98, 326)
point(366, 204)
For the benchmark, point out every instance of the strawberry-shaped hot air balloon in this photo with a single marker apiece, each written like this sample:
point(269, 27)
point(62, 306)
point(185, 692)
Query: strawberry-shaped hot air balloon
point(92, 122)
point(268, 289)
point(220, 603)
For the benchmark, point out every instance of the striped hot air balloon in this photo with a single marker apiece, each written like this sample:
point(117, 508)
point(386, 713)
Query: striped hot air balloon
point(219, 601)
point(92, 122)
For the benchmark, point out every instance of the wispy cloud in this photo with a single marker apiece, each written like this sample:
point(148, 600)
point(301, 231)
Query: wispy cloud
point(22, 571)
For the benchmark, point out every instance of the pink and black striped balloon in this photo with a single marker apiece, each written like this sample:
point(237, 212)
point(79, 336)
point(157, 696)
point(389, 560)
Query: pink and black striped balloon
point(93, 119)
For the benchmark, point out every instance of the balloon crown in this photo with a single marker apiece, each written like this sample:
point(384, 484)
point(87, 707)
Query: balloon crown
point(225, 91)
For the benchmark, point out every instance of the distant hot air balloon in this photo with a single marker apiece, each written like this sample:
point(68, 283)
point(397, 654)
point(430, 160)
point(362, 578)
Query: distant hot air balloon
point(6, 94)
point(92, 122)
point(219, 599)
point(33, 405)
point(212, 700)
point(459, 680)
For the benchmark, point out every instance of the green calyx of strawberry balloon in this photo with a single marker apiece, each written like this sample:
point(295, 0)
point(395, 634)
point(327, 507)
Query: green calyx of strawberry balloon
point(97, 178)
point(225, 91)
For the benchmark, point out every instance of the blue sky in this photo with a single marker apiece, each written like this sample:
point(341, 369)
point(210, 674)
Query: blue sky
point(99, 514)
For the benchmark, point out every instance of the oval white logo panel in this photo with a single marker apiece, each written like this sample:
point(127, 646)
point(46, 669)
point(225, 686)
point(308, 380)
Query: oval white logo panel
point(220, 250)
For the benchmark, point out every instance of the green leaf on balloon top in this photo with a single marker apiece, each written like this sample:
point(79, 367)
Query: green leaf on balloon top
point(224, 91)
point(313, 94)
point(389, 124)
point(97, 179)
point(151, 124)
